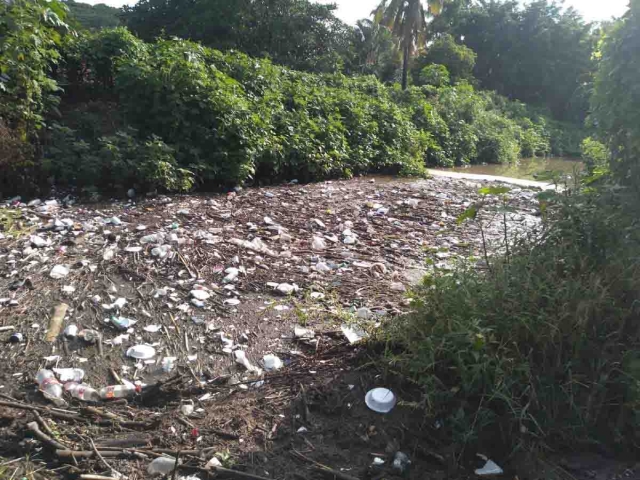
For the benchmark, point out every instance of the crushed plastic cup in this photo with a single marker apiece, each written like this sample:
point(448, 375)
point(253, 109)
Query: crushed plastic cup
point(272, 362)
point(380, 400)
point(141, 352)
point(58, 272)
point(162, 466)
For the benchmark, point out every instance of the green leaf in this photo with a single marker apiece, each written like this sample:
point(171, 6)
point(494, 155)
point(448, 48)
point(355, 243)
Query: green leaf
point(494, 190)
point(469, 214)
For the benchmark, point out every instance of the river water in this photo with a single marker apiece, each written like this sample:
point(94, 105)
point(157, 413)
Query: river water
point(525, 169)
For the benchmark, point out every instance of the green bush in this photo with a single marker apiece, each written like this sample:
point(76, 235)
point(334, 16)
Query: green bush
point(595, 154)
point(616, 98)
point(435, 75)
point(508, 355)
point(114, 163)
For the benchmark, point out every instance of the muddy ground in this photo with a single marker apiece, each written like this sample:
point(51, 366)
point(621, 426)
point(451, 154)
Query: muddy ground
point(324, 257)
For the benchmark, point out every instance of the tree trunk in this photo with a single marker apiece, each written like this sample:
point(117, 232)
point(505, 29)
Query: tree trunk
point(405, 66)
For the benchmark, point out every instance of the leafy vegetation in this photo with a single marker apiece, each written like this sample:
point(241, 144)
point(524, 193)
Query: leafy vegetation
point(542, 346)
point(228, 117)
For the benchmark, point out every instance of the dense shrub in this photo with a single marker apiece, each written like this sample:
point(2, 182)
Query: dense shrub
point(114, 163)
point(229, 118)
point(616, 99)
point(508, 354)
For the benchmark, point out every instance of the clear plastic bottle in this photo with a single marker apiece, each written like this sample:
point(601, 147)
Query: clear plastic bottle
point(119, 391)
point(82, 392)
point(49, 384)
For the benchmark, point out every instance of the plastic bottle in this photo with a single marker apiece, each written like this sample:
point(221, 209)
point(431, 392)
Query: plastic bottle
point(82, 392)
point(49, 384)
point(119, 391)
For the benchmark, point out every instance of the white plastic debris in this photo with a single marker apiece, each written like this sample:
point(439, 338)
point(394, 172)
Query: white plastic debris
point(117, 305)
point(240, 358)
point(68, 289)
point(187, 409)
point(152, 328)
point(162, 466)
point(133, 249)
point(401, 462)
point(200, 294)
point(231, 301)
point(287, 289)
point(303, 333)
point(318, 243)
point(490, 468)
point(377, 461)
point(317, 295)
point(141, 352)
point(354, 333)
point(364, 313)
point(349, 240)
point(272, 362)
point(38, 241)
point(69, 374)
point(109, 253)
point(268, 221)
point(153, 238)
point(122, 323)
point(380, 400)
point(318, 223)
point(232, 274)
point(161, 251)
point(322, 267)
point(71, 331)
point(213, 463)
point(58, 272)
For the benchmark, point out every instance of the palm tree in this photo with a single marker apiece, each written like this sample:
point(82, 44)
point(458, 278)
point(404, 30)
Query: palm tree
point(407, 20)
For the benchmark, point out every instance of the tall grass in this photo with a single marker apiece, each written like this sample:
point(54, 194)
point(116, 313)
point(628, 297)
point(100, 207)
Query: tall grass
point(542, 347)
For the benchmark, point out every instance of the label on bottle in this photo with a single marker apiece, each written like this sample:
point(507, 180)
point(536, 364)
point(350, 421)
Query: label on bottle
point(110, 393)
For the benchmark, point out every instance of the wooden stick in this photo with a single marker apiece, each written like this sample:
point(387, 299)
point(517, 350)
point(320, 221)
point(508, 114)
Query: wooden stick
point(225, 472)
point(42, 423)
point(33, 428)
point(323, 468)
point(87, 476)
point(55, 324)
point(114, 472)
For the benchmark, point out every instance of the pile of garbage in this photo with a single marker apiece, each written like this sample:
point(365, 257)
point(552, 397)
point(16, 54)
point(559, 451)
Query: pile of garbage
point(113, 301)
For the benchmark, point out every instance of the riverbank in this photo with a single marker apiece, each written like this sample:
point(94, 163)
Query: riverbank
point(285, 271)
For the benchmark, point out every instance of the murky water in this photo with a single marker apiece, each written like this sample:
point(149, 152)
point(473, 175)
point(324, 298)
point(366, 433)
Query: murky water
point(527, 169)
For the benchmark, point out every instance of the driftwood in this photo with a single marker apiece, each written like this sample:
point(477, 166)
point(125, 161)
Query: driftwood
point(44, 438)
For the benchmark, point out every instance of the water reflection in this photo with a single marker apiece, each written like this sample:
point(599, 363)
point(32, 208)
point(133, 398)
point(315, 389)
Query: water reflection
point(528, 168)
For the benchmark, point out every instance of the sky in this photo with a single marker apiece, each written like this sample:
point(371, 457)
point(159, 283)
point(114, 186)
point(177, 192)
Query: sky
point(352, 10)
